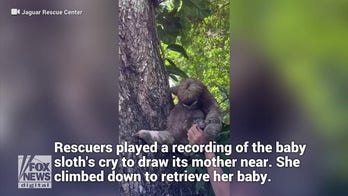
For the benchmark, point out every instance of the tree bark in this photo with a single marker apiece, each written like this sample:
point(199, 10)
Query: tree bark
point(144, 98)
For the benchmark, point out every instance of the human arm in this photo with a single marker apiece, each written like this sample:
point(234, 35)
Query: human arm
point(197, 136)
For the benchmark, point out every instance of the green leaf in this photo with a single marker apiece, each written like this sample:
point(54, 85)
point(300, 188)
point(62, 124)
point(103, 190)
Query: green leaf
point(179, 49)
point(196, 10)
point(173, 69)
point(168, 27)
point(172, 76)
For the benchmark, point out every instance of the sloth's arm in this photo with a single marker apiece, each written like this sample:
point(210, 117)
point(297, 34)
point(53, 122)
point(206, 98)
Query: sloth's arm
point(152, 136)
point(213, 121)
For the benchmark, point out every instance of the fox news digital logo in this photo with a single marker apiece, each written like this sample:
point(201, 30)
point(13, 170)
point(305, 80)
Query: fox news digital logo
point(34, 171)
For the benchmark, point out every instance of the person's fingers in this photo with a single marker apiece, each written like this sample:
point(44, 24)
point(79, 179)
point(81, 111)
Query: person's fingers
point(189, 137)
point(193, 130)
point(195, 135)
point(197, 131)
point(189, 133)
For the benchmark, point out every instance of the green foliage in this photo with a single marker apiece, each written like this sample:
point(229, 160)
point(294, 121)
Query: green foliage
point(174, 71)
point(178, 48)
point(195, 38)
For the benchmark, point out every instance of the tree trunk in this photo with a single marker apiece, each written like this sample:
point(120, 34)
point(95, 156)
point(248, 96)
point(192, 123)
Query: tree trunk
point(144, 98)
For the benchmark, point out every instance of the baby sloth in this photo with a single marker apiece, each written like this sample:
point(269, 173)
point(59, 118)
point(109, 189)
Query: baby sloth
point(196, 106)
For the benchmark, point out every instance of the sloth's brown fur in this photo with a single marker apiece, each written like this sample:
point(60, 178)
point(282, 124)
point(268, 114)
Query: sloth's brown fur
point(191, 89)
point(195, 104)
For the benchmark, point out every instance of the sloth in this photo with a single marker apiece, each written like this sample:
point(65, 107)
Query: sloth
point(196, 105)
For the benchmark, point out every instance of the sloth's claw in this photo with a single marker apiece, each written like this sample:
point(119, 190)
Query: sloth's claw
point(139, 134)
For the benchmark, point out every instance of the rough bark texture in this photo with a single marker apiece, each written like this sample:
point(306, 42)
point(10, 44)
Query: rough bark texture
point(144, 99)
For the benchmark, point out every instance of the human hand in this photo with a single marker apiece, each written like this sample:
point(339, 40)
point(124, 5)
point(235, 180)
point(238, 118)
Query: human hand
point(196, 135)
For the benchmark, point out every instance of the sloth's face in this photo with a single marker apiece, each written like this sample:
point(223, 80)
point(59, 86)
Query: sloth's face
point(189, 93)
point(190, 104)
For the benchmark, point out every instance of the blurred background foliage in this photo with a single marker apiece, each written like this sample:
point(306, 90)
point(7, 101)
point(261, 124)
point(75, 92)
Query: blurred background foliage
point(307, 42)
point(195, 40)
